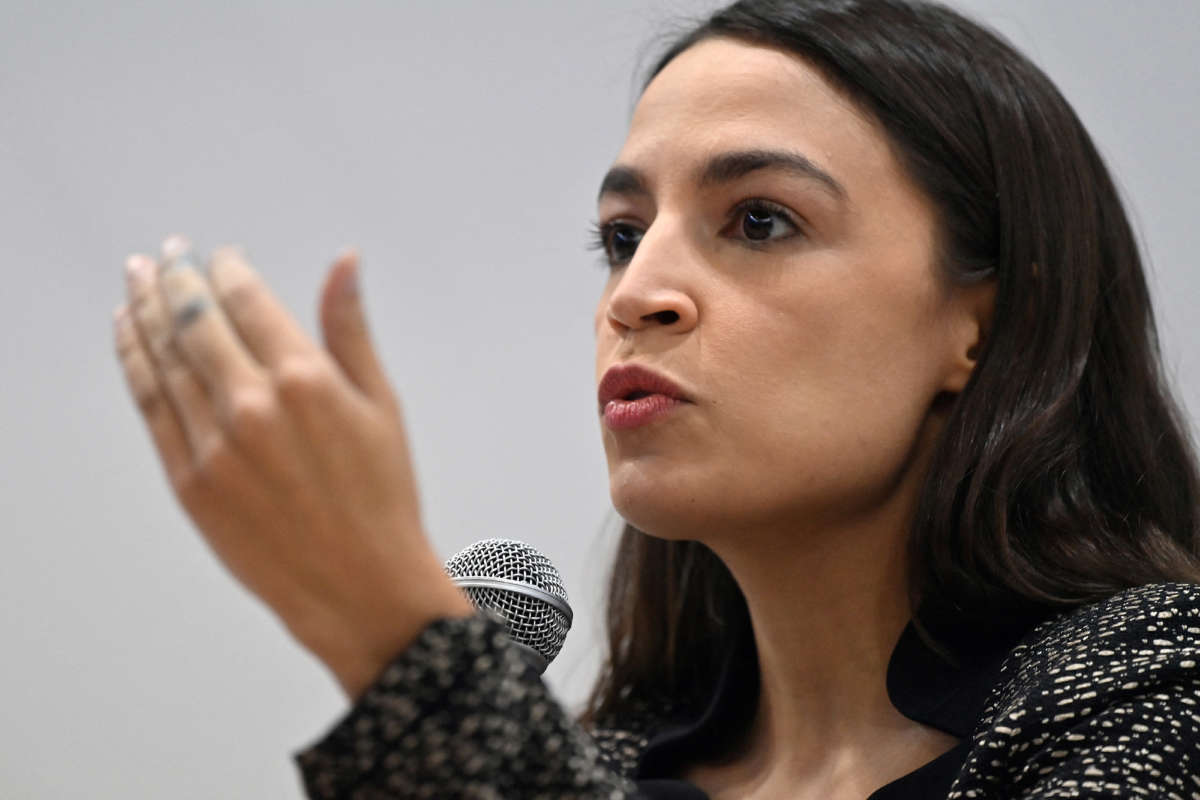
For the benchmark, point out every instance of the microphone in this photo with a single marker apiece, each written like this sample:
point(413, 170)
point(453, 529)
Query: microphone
point(519, 584)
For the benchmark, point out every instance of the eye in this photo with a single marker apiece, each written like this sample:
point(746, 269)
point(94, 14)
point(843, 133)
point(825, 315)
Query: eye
point(758, 219)
point(617, 240)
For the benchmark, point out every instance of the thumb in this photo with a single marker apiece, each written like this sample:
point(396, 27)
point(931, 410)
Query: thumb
point(344, 327)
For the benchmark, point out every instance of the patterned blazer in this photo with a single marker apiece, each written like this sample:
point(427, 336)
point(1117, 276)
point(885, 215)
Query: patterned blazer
point(1102, 701)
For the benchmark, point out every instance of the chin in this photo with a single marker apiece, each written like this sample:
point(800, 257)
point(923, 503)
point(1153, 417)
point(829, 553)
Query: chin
point(658, 512)
point(680, 499)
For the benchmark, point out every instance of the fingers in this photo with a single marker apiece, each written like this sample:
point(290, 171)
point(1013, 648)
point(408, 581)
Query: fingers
point(202, 333)
point(165, 427)
point(203, 356)
point(175, 386)
point(344, 325)
point(265, 327)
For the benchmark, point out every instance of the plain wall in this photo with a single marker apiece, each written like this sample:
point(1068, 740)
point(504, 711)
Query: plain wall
point(459, 145)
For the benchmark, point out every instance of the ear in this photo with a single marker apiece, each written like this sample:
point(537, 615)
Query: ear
point(970, 323)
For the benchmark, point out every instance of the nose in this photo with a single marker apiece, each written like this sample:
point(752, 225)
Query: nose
point(656, 287)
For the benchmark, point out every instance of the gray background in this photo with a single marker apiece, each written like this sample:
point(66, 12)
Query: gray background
point(459, 145)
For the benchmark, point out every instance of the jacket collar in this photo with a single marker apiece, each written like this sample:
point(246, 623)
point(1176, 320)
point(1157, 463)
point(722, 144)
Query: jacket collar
point(946, 693)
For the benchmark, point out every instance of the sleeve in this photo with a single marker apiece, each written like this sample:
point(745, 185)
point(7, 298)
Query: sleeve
point(459, 714)
point(1145, 746)
point(1109, 707)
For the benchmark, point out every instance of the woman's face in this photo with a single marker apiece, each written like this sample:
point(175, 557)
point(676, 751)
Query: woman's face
point(772, 258)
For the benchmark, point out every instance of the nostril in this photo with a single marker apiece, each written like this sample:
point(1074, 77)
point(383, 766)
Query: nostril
point(665, 317)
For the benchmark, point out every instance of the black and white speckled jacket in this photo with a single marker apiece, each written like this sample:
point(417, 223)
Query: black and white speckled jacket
point(1099, 702)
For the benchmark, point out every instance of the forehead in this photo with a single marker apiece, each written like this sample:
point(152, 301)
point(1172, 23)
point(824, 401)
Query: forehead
point(723, 94)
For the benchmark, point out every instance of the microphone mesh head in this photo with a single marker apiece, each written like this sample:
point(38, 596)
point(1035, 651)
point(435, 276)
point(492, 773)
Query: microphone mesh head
point(532, 621)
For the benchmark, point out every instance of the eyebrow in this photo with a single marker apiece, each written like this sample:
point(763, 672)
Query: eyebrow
point(726, 168)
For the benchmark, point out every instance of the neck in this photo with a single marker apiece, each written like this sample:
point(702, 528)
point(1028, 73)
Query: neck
point(826, 615)
point(828, 608)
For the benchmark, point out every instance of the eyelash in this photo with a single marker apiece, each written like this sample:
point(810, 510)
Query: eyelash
point(601, 233)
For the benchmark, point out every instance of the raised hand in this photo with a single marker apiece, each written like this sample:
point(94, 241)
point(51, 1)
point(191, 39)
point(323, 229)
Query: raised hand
point(290, 458)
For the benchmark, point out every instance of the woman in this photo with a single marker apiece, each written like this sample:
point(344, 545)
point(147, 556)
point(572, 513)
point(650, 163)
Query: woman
point(910, 511)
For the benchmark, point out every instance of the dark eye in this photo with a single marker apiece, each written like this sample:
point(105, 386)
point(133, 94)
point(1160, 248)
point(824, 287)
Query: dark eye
point(759, 219)
point(756, 220)
point(623, 241)
point(617, 240)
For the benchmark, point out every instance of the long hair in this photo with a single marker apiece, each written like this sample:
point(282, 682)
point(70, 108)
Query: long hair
point(1065, 472)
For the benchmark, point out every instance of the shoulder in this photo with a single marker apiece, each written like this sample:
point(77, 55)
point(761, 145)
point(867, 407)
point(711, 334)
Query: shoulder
point(1102, 700)
point(1142, 630)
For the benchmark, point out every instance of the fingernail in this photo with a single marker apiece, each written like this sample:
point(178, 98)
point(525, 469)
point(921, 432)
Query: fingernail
point(138, 268)
point(177, 252)
point(175, 244)
point(229, 252)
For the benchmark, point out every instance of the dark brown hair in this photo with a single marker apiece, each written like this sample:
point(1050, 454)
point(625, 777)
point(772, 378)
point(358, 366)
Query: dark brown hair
point(1065, 472)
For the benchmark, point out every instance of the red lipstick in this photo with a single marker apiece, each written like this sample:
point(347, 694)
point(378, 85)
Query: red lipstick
point(631, 395)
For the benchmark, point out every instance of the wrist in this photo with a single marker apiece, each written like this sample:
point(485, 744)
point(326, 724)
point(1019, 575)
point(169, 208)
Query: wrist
point(357, 655)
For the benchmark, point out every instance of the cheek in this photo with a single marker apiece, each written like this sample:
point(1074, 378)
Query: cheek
point(860, 333)
point(824, 404)
point(812, 399)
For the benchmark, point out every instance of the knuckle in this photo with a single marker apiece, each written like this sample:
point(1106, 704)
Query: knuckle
point(127, 349)
point(185, 481)
point(176, 375)
point(150, 402)
point(302, 379)
point(212, 459)
point(148, 314)
point(164, 349)
point(251, 416)
point(142, 307)
point(239, 299)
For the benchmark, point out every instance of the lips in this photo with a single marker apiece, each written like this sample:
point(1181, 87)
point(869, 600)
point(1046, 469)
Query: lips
point(628, 381)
